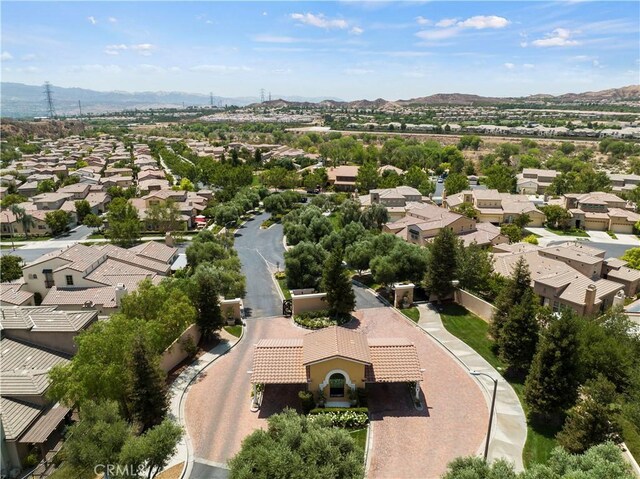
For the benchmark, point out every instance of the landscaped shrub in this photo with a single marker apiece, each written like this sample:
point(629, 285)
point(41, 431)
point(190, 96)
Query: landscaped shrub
point(320, 319)
point(307, 401)
point(352, 418)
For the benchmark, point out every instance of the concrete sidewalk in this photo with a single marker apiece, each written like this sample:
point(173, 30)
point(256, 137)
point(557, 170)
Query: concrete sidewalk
point(178, 392)
point(509, 432)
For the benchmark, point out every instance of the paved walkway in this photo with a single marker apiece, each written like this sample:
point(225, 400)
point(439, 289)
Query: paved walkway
point(177, 393)
point(510, 425)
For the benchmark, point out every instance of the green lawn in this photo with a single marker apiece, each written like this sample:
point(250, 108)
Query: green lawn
point(474, 331)
point(283, 287)
point(65, 471)
point(335, 220)
point(234, 330)
point(96, 236)
point(571, 232)
point(412, 313)
point(360, 436)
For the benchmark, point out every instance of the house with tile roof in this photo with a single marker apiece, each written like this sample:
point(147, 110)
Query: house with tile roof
point(570, 275)
point(422, 222)
point(533, 181)
point(95, 277)
point(343, 178)
point(600, 211)
point(497, 208)
point(333, 362)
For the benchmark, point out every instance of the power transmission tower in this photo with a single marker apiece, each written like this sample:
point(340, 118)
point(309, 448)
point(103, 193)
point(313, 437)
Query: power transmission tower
point(211, 98)
point(269, 96)
point(49, 98)
point(80, 107)
point(261, 95)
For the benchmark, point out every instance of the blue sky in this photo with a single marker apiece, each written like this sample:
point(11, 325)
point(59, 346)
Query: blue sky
point(348, 50)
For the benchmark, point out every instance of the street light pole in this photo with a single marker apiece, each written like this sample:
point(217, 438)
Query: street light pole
point(493, 406)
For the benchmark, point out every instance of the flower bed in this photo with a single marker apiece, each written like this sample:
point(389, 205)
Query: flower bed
point(347, 418)
point(319, 319)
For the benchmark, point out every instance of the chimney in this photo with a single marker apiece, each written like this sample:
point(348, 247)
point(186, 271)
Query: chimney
point(168, 240)
point(618, 299)
point(121, 290)
point(590, 300)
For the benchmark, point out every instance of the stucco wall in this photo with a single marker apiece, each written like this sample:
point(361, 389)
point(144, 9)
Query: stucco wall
point(308, 302)
point(175, 354)
point(58, 341)
point(233, 306)
point(318, 373)
point(477, 306)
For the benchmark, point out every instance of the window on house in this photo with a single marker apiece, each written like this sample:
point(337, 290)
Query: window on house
point(48, 278)
point(69, 280)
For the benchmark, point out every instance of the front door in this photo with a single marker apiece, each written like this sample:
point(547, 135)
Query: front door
point(336, 385)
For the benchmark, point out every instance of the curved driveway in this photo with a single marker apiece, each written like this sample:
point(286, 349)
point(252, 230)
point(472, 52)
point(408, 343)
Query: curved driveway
point(405, 443)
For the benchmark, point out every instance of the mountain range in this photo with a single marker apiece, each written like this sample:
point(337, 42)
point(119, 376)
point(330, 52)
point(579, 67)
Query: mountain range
point(18, 100)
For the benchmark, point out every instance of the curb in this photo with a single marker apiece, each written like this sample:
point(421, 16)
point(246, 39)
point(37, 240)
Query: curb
point(188, 463)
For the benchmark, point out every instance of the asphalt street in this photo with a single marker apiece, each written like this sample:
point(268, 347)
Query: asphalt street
point(261, 253)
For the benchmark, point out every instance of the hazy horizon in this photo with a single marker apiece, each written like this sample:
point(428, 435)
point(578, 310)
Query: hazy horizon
point(346, 50)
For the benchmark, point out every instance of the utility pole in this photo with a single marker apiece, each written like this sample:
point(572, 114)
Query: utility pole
point(49, 98)
point(80, 107)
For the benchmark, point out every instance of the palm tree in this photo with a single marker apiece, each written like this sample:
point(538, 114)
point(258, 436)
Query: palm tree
point(25, 219)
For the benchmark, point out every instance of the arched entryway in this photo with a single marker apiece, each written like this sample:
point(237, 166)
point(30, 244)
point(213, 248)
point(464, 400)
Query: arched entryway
point(337, 382)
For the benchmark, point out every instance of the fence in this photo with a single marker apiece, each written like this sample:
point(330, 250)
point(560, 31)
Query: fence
point(477, 306)
point(176, 353)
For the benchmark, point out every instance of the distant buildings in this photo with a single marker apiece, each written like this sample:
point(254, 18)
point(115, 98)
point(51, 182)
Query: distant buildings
point(494, 207)
point(599, 211)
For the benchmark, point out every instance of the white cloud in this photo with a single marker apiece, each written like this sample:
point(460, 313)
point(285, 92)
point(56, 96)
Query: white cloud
point(357, 71)
point(219, 69)
point(509, 66)
point(282, 71)
point(115, 49)
point(438, 34)
point(446, 22)
point(143, 48)
point(146, 68)
point(175, 69)
point(112, 20)
point(95, 68)
point(264, 14)
point(480, 22)
point(560, 37)
point(28, 57)
point(28, 70)
point(209, 22)
point(274, 39)
point(320, 20)
point(6, 56)
point(356, 31)
point(528, 66)
point(92, 20)
point(423, 21)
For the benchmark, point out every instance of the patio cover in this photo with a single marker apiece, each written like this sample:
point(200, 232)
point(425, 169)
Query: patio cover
point(40, 431)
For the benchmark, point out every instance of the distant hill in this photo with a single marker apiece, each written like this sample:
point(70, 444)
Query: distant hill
point(19, 100)
point(631, 92)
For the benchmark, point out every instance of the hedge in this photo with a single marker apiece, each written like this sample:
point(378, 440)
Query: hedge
point(319, 319)
point(351, 418)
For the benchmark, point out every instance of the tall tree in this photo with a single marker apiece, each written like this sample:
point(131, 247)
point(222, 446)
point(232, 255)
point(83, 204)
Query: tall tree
point(57, 221)
point(593, 419)
point(455, 183)
point(374, 217)
point(442, 264)
point(359, 254)
point(551, 386)
point(501, 178)
point(474, 267)
point(368, 177)
point(83, 208)
point(205, 297)
point(10, 268)
point(519, 335)
point(510, 294)
point(303, 265)
point(123, 221)
point(337, 284)
point(148, 392)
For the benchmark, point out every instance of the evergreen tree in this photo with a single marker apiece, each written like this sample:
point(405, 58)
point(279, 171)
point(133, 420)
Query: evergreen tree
point(148, 392)
point(337, 284)
point(593, 418)
point(474, 267)
point(519, 335)
point(368, 177)
point(551, 386)
point(442, 264)
point(509, 296)
point(205, 296)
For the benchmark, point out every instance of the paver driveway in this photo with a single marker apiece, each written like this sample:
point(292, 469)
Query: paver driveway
point(406, 443)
